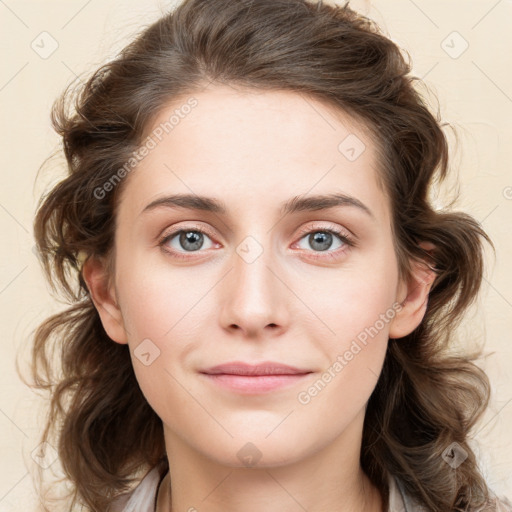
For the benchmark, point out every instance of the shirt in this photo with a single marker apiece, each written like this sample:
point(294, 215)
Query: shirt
point(143, 497)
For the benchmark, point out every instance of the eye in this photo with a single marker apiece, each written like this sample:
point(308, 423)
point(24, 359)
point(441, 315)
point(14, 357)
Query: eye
point(191, 239)
point(184, 240)
point(322, 239)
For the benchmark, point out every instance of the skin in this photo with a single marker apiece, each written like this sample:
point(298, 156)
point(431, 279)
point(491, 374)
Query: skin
point(254, 150)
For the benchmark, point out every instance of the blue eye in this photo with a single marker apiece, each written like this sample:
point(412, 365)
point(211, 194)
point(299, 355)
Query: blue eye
point(322, 240)
point(192, 239)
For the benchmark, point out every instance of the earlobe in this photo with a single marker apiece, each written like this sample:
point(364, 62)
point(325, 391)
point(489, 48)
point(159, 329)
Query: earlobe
point(104, 299)
point(413, 298)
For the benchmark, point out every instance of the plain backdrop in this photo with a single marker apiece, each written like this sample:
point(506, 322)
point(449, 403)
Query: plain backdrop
point(460, 48)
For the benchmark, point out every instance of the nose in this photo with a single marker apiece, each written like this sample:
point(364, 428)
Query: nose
point(254, 297)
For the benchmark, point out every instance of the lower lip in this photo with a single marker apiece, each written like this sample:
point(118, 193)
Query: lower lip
point(255, 383)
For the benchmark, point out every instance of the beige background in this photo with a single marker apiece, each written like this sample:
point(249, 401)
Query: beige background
point(474, 89)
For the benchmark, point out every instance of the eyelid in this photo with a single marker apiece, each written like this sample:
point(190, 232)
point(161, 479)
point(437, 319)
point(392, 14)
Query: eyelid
point(328, 226)
point(188, 226)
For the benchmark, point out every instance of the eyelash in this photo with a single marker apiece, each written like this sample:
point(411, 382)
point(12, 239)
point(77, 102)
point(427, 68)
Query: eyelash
point(342, 235)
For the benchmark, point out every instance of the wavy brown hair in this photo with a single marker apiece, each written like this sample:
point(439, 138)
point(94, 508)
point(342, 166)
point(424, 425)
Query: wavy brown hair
point(427, 397)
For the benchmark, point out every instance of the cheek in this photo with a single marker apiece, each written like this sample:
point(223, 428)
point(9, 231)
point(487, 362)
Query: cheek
point(354, 303)
point(157, 301)
point(165, 320)
point(354, 351)
point(358, 307)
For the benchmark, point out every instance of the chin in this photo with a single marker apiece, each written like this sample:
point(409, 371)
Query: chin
point(255, 451)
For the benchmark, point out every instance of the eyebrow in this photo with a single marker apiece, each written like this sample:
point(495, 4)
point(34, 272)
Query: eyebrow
point(293, 205)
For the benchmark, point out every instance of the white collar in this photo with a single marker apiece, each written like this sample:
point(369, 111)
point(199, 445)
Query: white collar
point(143, 497)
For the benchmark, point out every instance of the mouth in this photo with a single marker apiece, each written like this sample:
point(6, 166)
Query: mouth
point(248, 378)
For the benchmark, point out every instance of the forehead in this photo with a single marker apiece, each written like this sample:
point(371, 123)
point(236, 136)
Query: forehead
point(254, 148)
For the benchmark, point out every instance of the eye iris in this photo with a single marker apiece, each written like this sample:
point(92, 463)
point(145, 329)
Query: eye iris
point(191, 240)
point(320, 240)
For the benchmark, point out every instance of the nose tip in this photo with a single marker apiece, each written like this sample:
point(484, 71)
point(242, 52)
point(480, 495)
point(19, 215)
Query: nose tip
point(272, 326)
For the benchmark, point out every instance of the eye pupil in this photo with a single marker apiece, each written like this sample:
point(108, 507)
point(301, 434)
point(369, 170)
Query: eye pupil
point(321, 240)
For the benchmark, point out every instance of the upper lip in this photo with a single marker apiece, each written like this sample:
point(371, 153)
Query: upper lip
point(264, 368)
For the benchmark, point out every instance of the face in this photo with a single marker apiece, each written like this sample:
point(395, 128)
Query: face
point(252, 281)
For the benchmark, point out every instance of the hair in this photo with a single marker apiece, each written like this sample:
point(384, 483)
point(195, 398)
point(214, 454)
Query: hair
point(427, 396)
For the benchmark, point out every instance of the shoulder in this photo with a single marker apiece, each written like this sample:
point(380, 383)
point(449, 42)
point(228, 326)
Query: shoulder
point(142, 497)
point(401, 501)
point(501, 504)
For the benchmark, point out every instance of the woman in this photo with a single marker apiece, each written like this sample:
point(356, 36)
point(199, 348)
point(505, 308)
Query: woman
point(265, 297)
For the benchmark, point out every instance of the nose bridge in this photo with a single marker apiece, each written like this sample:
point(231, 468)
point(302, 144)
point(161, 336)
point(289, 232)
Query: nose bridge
point(254, 296)
point(253, 279)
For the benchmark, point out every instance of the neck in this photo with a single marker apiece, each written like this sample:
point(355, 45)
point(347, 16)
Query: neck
point(368, 499)
point(328, 479)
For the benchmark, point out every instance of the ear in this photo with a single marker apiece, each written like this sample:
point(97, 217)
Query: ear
point(103, 295)
point(413, 297)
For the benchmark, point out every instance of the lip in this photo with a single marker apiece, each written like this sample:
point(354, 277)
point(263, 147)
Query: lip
point(247, 378)
point(259, 369)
